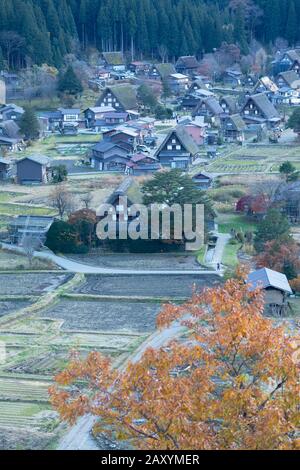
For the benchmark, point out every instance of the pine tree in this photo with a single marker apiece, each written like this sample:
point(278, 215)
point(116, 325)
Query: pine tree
point(69, 83)
point(292, 24)
point(29, 124)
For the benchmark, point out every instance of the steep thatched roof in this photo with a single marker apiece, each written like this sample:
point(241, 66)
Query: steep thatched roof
point(113, 58)
point(125, 94)
point(164, 70)
point(264, 104)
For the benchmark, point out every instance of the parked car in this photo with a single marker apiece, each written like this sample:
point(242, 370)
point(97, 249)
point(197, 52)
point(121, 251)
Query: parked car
point(150, 141)
point(143, 148)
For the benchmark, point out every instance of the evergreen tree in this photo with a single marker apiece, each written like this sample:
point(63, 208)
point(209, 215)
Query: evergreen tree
point(29, 124)
point(69, 83)
point(292, 24)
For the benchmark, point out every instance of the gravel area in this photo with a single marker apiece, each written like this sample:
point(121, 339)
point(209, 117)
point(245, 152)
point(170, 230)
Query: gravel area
point(146, 285)
point(30, 283)
point(104, 315)
point(155, 261)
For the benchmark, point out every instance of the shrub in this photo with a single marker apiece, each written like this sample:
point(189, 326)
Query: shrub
point(295, 285)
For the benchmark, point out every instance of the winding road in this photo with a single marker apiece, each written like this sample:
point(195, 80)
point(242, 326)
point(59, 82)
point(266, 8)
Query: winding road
point(75, 267)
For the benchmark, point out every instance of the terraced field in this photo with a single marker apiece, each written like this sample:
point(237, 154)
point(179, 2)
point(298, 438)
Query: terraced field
point(14, 390)
point(177, 286)
point(20, 415)
point(237, 166)
point(10, 209)
point(30, 283)
point(9, 306)
point(104, 315)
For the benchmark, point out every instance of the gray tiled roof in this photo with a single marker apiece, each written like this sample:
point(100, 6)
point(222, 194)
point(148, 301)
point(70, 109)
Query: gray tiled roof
point(41, 159)
point(265, 278)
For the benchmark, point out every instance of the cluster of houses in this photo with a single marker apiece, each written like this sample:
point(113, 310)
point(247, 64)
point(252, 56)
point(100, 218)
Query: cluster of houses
point(205, 114)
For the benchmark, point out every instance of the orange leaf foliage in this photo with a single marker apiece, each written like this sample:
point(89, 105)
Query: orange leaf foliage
point(233, 384)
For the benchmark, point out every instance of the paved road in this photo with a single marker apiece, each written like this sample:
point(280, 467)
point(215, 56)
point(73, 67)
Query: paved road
point(73, 266)
point(223, 239)
point(79, 436)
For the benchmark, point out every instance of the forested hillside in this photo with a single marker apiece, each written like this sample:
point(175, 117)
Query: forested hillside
point(45, 30)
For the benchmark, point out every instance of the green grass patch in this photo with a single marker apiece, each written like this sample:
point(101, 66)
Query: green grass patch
point(230, 255)
point(201, 255)
point(9, 209)
point(8, 196)
point(237, 222)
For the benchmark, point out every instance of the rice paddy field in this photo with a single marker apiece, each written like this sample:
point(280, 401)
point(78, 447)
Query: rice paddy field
point(37, 343)
point(254, 159)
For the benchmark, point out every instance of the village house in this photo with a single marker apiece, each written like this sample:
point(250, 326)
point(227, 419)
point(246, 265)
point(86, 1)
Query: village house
point(232, 78)
point(120, 214)
point(121, 97)
point(139, 67)
point(34, 169)
point(233, 128)
point(197, 84)
point(229, 104)
point(290, 60)
point(267, 86)
point(258, 109)
point(161, 71)
point(196, 128)
point(209, 108)
point(203, 181)
point(288, 79)
point(51, 120)
point(276, 290)
point(5, 169)
point(109, 156)
point(192, 98)
point(70, 115)
point(141, 164)
point(11, 112)
point(178, 83)
point(114, 61)
point(178, 149)
point(124, 136)
point(10, 136)
point(187, 65)
point(92, 115)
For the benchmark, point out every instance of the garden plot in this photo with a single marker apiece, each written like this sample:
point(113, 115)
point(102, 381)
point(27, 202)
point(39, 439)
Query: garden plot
point(98, 341)
point(238, 166)
point(20, 415)
point(10, 306)
point(11, 209)
point(10, 261)
point(23, 390)
point(152, 286)
point(71, 150)
point(45, 364)
point(156, 261)
point(105, 315)
point(31, 326)
point(30, 283)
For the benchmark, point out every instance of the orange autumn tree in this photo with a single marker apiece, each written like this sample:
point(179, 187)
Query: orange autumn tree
point(233, 383)
point(278, 254)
